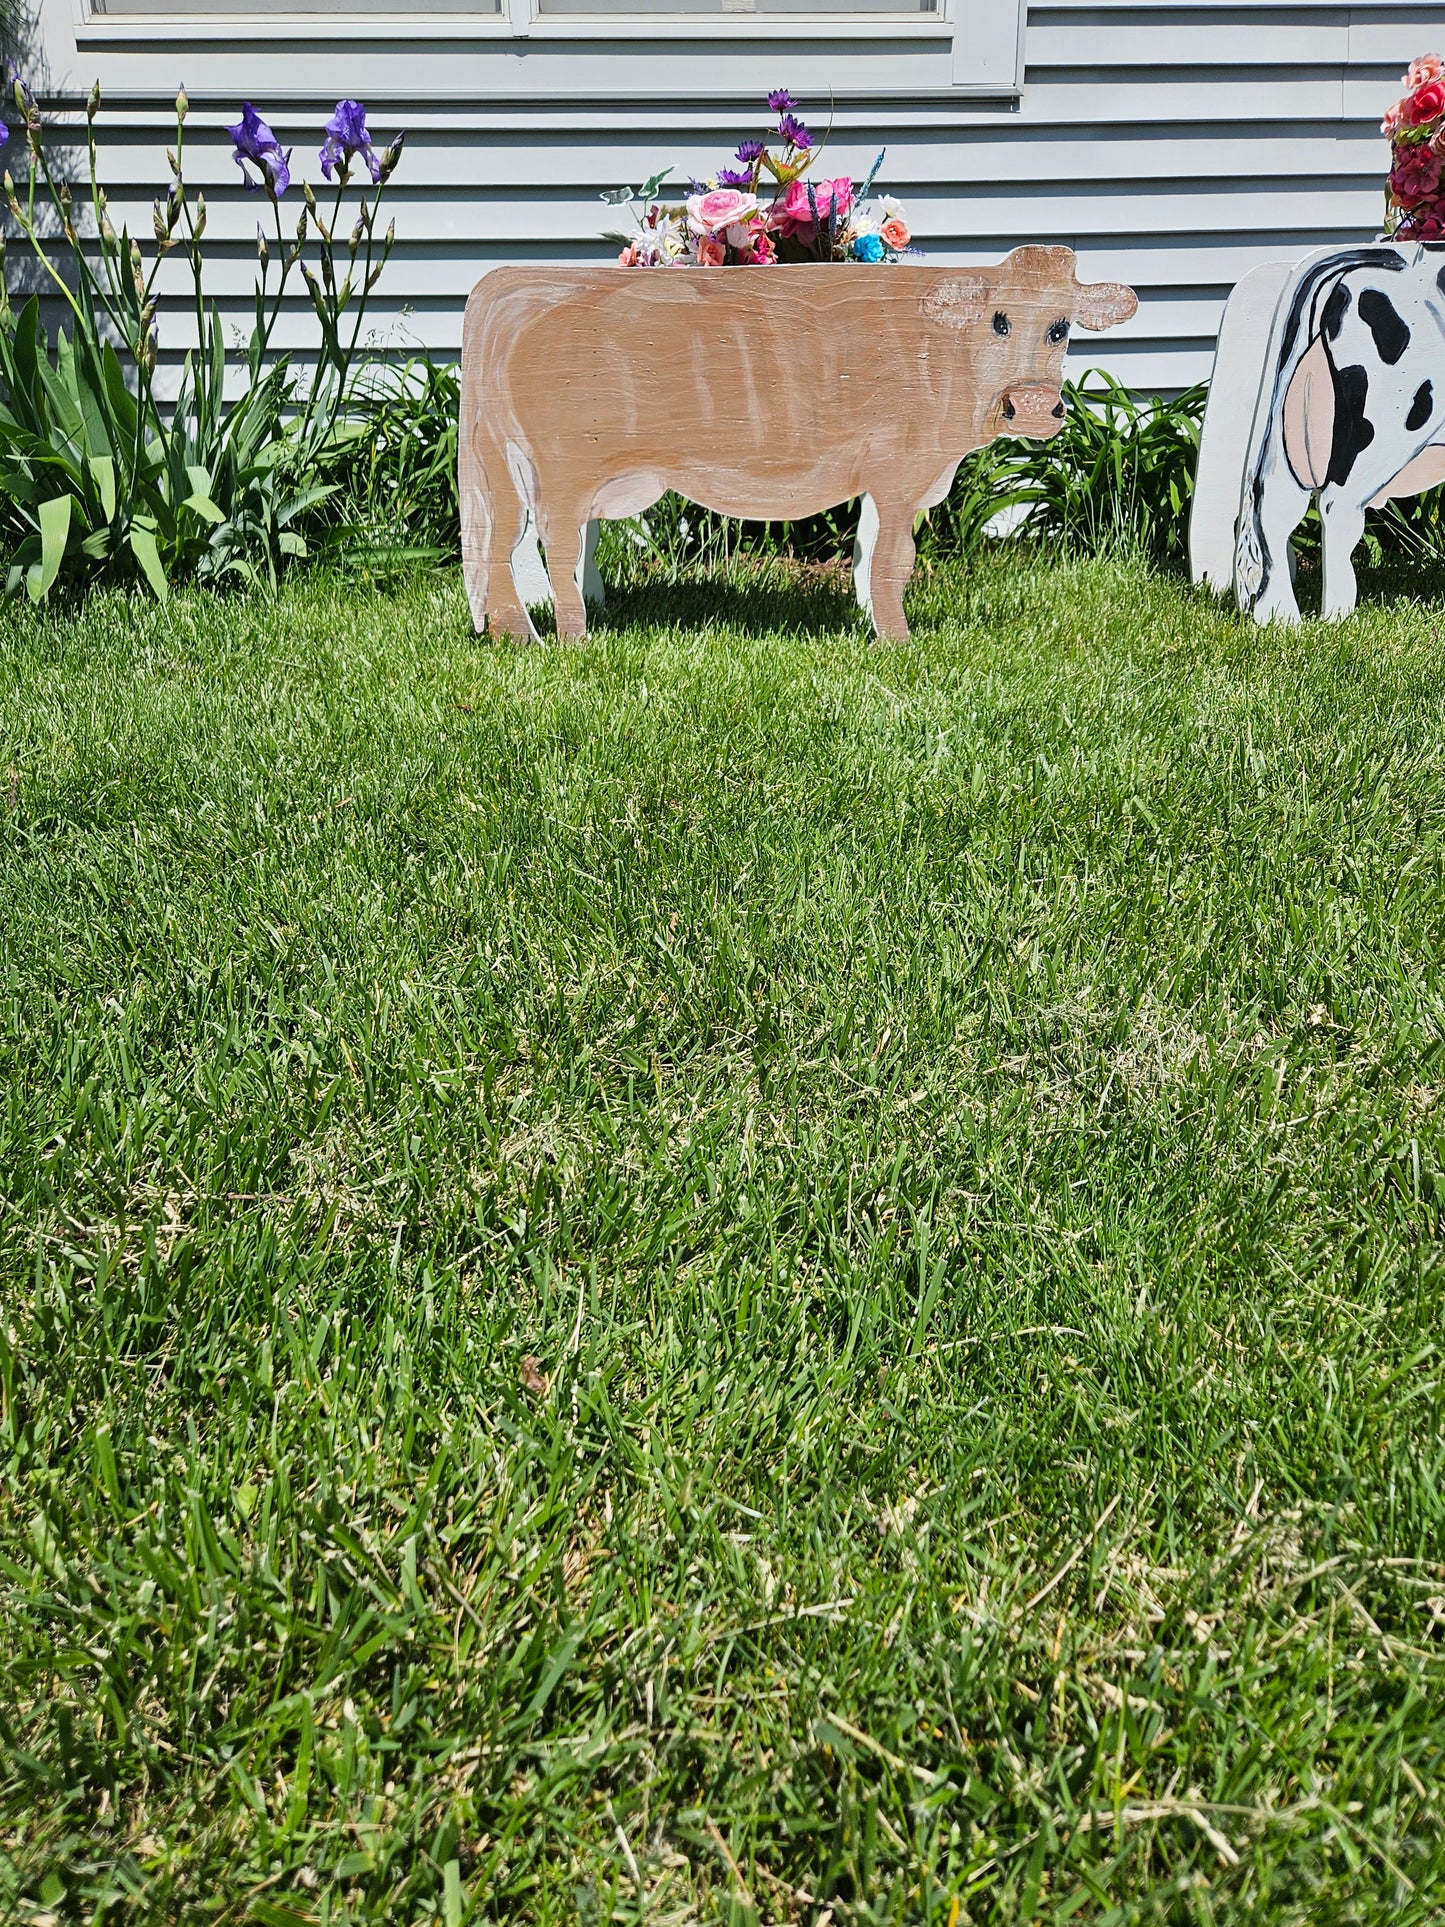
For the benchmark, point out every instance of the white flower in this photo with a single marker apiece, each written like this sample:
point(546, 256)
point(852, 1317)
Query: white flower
point(892, 210)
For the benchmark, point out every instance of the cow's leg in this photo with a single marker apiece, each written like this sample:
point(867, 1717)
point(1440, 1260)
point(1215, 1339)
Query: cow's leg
point(891, 567)
point(1342, 521)
point(506, 606)
point(1278, 516)
point(565, 537)
point(474, 489)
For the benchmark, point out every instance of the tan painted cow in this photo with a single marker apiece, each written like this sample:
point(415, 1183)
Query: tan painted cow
point(760, 392)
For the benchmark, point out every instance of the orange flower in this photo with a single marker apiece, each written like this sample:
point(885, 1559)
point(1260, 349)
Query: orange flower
point(710, 252)
point(895, 233)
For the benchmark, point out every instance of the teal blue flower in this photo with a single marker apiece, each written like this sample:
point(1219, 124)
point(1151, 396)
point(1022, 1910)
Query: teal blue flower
point(868, 247)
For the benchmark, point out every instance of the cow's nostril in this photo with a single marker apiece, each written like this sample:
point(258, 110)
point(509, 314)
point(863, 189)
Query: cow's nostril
point(1008, 408)
point(1059, 411)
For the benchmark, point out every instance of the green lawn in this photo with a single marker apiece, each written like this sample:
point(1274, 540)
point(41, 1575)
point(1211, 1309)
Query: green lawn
point(722, 1274)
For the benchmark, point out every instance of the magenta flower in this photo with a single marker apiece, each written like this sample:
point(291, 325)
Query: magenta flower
point(1415, 175)
point(346, 140)
point(793, 212)
point(254, 142)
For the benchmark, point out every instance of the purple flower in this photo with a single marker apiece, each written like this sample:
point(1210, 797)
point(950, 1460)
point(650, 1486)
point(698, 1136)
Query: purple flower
point(346, 137)
point(794, 132)
point(734, 177)
point(780, 101)
point(254, 142)
point(750, 151)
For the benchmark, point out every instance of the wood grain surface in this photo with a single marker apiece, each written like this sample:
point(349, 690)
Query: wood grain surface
point(760, 392)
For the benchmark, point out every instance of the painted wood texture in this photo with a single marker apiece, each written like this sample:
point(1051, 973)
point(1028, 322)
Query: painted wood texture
point(766, 393)
point(1345, 400)
point(1229, 422)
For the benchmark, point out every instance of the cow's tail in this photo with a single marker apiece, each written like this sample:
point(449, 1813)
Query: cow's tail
point(1294, 328)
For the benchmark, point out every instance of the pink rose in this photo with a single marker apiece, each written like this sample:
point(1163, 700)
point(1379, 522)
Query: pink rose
point(1427, 67)
point(1427, 103)
point(710, 252)
point(1415, 175)
point(1392, 119)
point(631, 257)
point(722, 207)
point(793, 214)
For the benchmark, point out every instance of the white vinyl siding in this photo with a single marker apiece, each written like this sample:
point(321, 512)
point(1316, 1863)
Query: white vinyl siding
point(1173, 145)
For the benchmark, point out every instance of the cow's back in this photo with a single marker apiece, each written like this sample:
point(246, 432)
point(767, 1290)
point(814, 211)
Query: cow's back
point(767, 365)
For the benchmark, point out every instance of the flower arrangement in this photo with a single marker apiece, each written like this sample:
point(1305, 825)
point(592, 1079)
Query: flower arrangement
point(725, 221)
point(1415, 129)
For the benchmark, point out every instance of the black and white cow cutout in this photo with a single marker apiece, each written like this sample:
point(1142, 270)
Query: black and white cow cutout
point(1349, 407)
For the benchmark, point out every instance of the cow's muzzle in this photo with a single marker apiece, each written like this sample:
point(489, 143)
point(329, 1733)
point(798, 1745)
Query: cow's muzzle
point(1032, 411)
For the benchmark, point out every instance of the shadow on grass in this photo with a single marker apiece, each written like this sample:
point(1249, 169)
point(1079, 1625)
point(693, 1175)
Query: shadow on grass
point(815, 600)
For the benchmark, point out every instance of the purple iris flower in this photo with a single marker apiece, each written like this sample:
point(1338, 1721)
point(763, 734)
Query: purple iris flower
point(346, 137)
point(254, 142)
point(781, 101)
point(794, 132)
point(749, 151)
point(734, 177)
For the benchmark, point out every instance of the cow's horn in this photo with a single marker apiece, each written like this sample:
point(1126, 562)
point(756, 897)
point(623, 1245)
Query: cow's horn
point(957, 301)
point(1103, 304)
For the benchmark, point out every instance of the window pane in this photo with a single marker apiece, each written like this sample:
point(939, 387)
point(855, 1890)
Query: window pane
point(112, 8)
point(622, 8)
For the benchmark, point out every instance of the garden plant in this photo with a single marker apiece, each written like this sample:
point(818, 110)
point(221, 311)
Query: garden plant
point(101, 481)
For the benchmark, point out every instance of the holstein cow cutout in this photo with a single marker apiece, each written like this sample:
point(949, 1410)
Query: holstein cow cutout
point(1349, 406)
point(758, 392)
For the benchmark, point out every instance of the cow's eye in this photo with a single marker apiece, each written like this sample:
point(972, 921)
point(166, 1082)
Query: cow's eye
point(1058, 331)
point(1001, 324)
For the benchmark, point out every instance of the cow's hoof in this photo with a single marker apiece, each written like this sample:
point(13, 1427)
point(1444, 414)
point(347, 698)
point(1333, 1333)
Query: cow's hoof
point(511, 625)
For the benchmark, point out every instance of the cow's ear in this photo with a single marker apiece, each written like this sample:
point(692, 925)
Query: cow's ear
point(1103, 304)
point(957, 301)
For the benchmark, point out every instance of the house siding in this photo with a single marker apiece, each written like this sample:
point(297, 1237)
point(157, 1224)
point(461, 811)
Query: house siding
point(1174, 146)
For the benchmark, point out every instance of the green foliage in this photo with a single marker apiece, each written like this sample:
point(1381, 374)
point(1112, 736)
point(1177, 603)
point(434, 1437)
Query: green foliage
point(730, 1273)
point(392, 468)
point(1118, 476)
point(99, 482)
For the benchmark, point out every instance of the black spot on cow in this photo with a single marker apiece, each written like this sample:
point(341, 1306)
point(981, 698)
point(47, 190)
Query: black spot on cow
point(1353, 434)
point(1421, 406)
point(1335, 309)
point(1379, 260)
point(1380, 316)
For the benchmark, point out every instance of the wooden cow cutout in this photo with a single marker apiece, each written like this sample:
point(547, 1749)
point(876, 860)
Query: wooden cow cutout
point(1329, 381)
point(758, 392)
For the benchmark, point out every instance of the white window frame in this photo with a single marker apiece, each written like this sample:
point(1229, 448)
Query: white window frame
point(983, 38)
